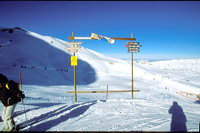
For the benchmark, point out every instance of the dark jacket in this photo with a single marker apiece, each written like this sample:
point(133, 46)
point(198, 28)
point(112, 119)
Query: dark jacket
point(10, 95)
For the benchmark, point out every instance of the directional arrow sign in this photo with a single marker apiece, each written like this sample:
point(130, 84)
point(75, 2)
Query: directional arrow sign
point(73, 49)
point(134, 48)
point(133, 51)
point(73, 43)
point(132, 43)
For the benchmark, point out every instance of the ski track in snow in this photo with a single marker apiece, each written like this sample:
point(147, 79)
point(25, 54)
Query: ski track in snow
point(50, 108)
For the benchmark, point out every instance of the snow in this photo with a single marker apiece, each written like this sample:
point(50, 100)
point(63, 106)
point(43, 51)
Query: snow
point(47, 76)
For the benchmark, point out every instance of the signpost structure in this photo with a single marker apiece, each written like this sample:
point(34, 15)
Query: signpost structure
point(74, 60)
point(133, 47)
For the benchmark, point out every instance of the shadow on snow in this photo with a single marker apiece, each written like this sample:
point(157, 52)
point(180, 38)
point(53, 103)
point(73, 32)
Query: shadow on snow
point(38, 106)
point(178, 122)
point(73, 111)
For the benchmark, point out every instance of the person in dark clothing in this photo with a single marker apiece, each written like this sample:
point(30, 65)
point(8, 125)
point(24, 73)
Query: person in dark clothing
point(10, 95)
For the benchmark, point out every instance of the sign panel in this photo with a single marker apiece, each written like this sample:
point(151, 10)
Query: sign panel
point(74, 61)
point(133, 43)
point(73, 49)
point(133, 51)
point(130, 48)
point(73, 43)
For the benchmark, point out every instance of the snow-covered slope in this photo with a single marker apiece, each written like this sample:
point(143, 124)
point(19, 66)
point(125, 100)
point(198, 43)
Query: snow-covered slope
point(36, 53)
point(47, 75)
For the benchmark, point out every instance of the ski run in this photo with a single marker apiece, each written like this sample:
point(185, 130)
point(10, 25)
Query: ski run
point(47, 76)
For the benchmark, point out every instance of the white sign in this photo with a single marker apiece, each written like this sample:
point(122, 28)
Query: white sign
point(73, 49)
point(73, 43)
point(133, 46)
point(133, 51)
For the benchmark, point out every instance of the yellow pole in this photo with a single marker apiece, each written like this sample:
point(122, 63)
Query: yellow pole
point(75, 94)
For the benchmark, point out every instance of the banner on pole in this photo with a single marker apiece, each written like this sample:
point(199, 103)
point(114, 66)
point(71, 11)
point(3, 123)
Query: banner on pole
point(99, 37)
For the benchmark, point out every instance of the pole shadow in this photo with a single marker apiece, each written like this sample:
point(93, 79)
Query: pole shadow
point(45, 124)
point(179, 120)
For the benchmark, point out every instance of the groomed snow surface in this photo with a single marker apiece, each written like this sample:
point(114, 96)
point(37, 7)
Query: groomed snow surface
point(47, 76)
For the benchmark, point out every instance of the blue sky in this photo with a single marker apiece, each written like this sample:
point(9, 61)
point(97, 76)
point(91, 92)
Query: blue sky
point(165, 29)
